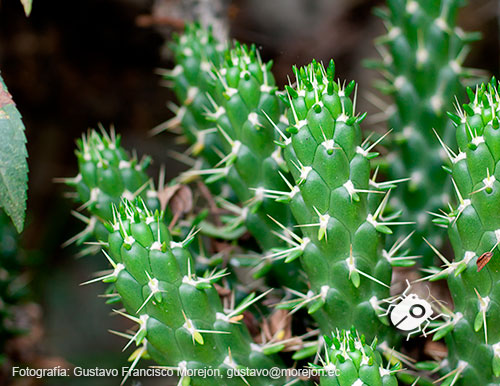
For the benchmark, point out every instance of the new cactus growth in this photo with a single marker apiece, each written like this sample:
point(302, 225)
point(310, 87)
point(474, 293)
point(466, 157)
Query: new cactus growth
point(423, 53)
point(348, 360)
point(106, 175)
point(341, 248)
point(472, 333)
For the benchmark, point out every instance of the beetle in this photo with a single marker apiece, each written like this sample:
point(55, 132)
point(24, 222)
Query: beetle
point(410, 313)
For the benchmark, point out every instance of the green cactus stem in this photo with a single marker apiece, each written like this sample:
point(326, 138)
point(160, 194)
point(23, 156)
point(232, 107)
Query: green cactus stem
point(338, 207)
point(350, 361)
point(245, 97)
point(181, 321)
point(472, 329)
point(423, 54)
point(242, 94)
point(195, 52)
point(107, 174)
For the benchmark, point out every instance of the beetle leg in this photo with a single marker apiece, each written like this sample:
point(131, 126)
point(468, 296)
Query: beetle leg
point(427, 322)
point(407, 288)
point(437, 316)
point(413, 332)
point(394, 300)
point(389, 309)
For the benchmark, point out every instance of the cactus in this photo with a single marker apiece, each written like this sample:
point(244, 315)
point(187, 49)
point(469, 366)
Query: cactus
point(245, 94)
point(106, 175)
point(302, 183)
point(350, 361)
point(423, 52)
point(472, 333)
point(180, 316)
point(241, 95)
point(195, 52)
point(181, 320)
point(337, 206)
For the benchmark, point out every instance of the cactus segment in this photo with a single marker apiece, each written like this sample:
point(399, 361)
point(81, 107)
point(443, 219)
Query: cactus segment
point(472, 332)
point(181, 321)
point(332, 200)
point(244, 100)
point(348, 360)
point(195, 52)
point(239, 98)
point(422, 59)
point(106, 175)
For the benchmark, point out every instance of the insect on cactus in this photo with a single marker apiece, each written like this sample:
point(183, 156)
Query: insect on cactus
point(338, 206)
point(472, 333)
point(292, 168)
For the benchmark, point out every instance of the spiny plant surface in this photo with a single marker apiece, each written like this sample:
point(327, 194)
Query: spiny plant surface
point(355, 362)
point(472, 333)
point(181, 320)
point(142, 273)
point(337, 206)
point(423, 52)
point(244, 100)
point(107, 174)
point(195, 52)
point(239, 99)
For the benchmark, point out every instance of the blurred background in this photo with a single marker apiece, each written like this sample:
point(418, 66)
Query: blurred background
point(73, 64)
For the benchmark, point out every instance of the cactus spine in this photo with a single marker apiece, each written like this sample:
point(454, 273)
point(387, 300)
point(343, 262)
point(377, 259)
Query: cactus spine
point(472, 333)
point(332, 201)
point(423, 52)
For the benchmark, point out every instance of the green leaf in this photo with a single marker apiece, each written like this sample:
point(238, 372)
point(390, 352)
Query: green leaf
point(496, 366)
point(13, 165)
point(305, 352)
point(27, 4)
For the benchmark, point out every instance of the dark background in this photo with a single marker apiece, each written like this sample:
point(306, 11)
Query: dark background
point(75, 63)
